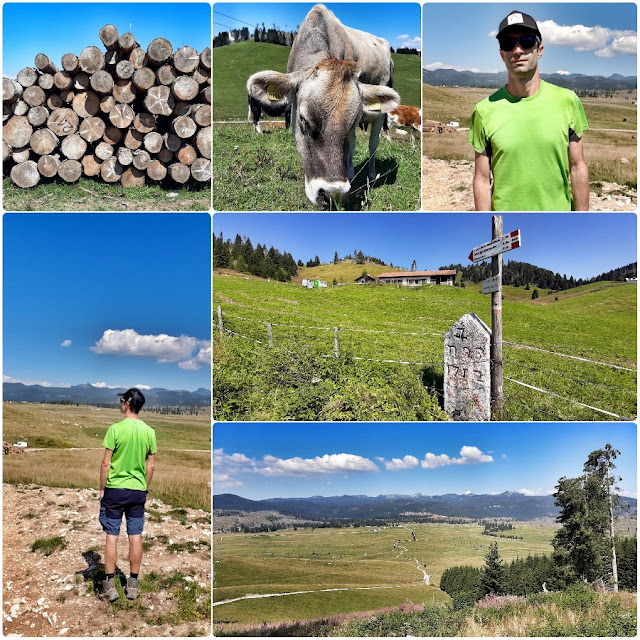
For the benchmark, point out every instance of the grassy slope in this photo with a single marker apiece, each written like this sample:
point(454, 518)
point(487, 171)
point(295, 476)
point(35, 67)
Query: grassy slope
point(345, 271)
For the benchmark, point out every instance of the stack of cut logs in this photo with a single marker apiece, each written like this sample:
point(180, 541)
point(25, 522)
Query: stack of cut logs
point(125, 116)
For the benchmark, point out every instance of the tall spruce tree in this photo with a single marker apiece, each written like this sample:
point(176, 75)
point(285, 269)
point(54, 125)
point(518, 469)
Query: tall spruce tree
point(494, 577)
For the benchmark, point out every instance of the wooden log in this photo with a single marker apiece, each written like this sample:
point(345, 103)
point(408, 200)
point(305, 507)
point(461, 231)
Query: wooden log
point(44, 64)
point(125, 156)
point(102, 82)
point(73, 147)
point(201, 75)
point(91, 60)
point(67, 95)
point(133, 139)
point(38, 116)
point(70, 62)
point(9, 93)
point(141, 159)
point(81, 81)
point(20, 108)
point(121, 116)
point(63, 80)
point(107, 103)
point(205, 95)
point(166, 74)
point(112, 135)
point(144, 122)
point(153, 142)
point(91, 165)
point(205, 58)
point(124, 91)
point(17, 131)
point(48, 166)
point(86, 104)
point(104, 151)
point(127, 42)
point(172, 141)
point(187, 154)
point(185, 88)
point(111, 170)
point(7, 111)
point(43, 141)
point(124, 69)
point(27, 77)
point(159, 101)
point(25, 174)
point(111, 59)
point(186, 59)
point(201, 113)
point(109, 36)
point(92, 129)
point(179, 172)
point(184, 127)
point(70, 170)
point(182, 108)
point(156, 170)
point(138, 58)
point(34, 96)
point(6, 152)
point(165, 156)
point(54, 101)
point(132, 177)
point(20, 154)
point(201, 170)
point(203, 142)
point(144, 78)
point(45, 81)
point(159, 51)
point(63, 122)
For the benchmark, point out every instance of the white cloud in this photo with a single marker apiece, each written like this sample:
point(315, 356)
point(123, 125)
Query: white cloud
point(42, 383)
point(328, 463)
point(397, 464)
point(101, 385)
point(406, 40)
point(468, 455)
point(161, 347)
point(535, 492)
point(201, 359)
point(561, 72)
point(144, 387)
point(223, 481)
point(65, 343)
point(434, 66)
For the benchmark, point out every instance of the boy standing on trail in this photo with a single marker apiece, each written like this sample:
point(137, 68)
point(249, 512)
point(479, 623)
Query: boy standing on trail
point(125, 475)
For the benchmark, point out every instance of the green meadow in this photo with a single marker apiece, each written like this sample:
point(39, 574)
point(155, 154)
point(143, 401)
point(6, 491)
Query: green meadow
point(298, 377)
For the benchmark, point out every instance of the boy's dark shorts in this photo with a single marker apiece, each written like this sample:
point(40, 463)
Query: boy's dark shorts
point(117, 502)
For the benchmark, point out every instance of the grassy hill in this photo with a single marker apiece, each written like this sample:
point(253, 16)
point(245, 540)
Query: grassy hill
point(233, 64)
point(597, 322)
point(346, 271)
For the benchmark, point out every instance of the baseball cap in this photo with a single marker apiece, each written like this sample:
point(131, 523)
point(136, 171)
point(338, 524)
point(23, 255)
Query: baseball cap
point(519, 20)
point(133, 394)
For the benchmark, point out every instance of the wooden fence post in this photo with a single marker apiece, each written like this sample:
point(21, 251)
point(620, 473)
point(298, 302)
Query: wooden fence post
point(497, 400)
point(269, 334)
point(220, 324)
point(335, 342)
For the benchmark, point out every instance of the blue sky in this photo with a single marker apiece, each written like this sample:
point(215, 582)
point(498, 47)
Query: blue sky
point(399, 23)
point(374, 458)
point(58, 28)
point(582, 245)
point(462, 36)
point(73, 284)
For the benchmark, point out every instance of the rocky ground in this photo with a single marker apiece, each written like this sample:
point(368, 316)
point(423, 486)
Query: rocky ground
point(446, 186)
point(55, 594)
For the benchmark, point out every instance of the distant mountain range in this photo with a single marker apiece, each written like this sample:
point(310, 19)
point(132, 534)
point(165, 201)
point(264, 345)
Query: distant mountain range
point(575, 81)
point(509, 504)
point(89, 394)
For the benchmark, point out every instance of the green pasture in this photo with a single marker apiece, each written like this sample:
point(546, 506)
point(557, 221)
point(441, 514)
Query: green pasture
point(353, 559)
point(596, 321)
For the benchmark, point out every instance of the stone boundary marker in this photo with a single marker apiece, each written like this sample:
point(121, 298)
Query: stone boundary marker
point(467, 370)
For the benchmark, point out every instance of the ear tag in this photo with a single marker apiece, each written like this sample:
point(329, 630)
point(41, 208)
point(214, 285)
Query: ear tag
point(374, 105)
point(273, 92)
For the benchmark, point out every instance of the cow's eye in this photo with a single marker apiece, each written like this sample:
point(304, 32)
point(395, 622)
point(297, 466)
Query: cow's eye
point(307, 128)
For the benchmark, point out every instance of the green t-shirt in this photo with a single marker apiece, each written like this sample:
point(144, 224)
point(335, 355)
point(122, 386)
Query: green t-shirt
point(131, 441)
point(527, 140)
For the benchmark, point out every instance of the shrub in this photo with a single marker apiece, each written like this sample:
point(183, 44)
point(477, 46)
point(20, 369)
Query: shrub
point(49, 545)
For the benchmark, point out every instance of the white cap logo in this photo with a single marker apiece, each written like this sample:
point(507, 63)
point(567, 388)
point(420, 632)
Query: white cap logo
point(515, 18)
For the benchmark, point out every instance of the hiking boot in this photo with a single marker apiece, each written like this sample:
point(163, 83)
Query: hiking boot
point(109, 590)
point(132, 588)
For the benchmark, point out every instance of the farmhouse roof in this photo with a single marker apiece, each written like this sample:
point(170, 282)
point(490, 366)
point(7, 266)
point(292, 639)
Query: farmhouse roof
point(413, 274)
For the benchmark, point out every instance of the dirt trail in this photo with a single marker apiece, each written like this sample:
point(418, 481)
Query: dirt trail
point(54, 595)
point(446, 186)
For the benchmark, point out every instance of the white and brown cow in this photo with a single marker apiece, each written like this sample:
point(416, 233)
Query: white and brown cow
point(335, 77)
point(406, 118)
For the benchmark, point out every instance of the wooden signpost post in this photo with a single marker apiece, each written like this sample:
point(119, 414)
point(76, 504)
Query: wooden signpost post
point(493, 285)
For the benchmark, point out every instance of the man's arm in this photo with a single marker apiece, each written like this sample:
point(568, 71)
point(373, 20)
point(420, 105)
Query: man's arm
point(482, 183)
point(579, 176)
point(104, 470)
point(151, 465)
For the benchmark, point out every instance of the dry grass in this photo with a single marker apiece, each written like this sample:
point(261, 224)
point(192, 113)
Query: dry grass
point(448, 146)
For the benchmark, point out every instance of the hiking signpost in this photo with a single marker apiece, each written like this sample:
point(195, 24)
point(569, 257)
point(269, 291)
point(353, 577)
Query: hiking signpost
point(499, 244)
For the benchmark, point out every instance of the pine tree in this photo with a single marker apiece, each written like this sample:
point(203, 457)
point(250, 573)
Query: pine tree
point(336, 259)
point(494, 575)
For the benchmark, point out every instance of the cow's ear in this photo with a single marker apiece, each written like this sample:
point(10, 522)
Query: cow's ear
point(271, 87)
point(378, 99)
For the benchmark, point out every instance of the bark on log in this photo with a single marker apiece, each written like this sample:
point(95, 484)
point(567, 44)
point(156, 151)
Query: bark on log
point(91, 165)
point(92, 129)
point(111, 170)
point(48, 166)
point(133, 177)
point(73, 147)
point(43, 141)
point(44, 64)
point(70, 170)
point(156, 170)
point(25, 174)
point(17, 131)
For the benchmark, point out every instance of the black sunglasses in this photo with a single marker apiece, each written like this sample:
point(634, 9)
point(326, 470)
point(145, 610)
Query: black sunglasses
point(508, 43)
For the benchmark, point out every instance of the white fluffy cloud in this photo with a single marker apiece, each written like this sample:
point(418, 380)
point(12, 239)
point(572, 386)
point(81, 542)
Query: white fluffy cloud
point(223, 481)
point(397, 464)
point(405, 40)
point(201, 359)
point(328, 463)
point(535, 492)
point(468, 455)
point(42, 383)
point(562, 72)
point(434, 66)
point(65, 343)
point(161, 347)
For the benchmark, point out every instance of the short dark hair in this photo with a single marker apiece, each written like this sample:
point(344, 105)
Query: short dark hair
point(135, 399)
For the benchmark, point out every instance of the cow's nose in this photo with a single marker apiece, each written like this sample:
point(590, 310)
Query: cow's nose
point(324, 193)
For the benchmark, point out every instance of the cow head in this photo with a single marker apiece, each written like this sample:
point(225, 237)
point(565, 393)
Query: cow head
point(329, 101)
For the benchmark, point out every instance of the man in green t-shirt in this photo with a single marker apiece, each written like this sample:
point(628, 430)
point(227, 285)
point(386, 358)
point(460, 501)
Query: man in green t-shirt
point(528, 134)
point(125, 475)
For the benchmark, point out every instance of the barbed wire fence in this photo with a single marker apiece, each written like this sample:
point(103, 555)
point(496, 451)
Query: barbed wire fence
point(438, 364)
